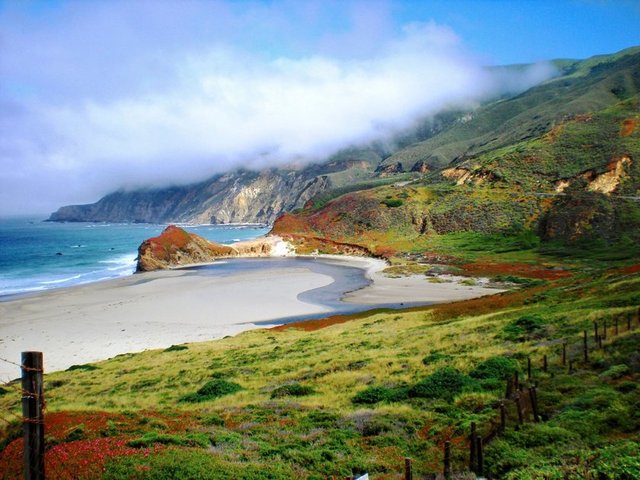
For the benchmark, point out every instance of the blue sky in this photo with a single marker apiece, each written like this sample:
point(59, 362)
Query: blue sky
point(97, 95)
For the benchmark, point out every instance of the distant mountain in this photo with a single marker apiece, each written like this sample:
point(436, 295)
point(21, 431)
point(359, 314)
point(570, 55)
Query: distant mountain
point(450, 140)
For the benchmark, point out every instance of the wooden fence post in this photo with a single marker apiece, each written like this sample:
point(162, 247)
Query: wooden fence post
point(408, 473)
point(595, 331)
point(32, 412)
point(534, 403)
point(503, 417)
point(529, 368)
point(600, 342)
point(480, 469)
point(447, 460)
point(519, 409)
point(473, 445)
point(585, 347)
point(545, 363)
point(564, 353)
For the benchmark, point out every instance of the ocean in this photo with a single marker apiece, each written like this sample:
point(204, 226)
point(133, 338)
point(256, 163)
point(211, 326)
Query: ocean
point(37, 255)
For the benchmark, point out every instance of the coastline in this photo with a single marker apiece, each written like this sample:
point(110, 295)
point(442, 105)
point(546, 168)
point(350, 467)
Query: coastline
point(92, 322)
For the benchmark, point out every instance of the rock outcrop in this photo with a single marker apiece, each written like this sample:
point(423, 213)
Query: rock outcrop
point(175, 247)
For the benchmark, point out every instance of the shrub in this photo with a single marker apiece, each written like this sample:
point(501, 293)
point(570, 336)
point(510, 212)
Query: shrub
point(500, 368)
point(292, 390)
point(372, 395)
point(524, 328)
point(86, 366)
point(175, 463)
point(392, 202)
point(445, 383)
point(188, 440)
point(176, 348)
point(213, 389)
point(615, 372)
point(620, 461)
point(434, 357)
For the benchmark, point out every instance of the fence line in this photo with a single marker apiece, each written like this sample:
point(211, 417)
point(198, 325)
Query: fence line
point(525, 399)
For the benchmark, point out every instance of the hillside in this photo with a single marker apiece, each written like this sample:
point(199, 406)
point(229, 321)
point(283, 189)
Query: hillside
point(346, 395)
point(434, 142)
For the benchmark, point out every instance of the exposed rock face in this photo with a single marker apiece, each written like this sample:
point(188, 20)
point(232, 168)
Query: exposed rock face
point(389, 169)
point(237, 197)
point(175, 247)
point(421, 167)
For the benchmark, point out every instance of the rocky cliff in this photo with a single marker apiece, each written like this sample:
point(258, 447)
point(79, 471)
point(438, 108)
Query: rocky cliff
point(237, 197)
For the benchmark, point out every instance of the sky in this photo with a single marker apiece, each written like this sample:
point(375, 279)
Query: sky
point(99, 95)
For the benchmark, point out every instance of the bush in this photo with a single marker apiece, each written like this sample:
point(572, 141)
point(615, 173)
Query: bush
point(292, 390)
point(176, 348)
point(372, 395)
point(434, 357)
point(620, 461)
point(392, 202)
point(524, 328)
point(445, 383)
point(615, 372)
point(188, 440)
point(184, 464)
point(86, 366)
point(500, 368)
point(213, 389)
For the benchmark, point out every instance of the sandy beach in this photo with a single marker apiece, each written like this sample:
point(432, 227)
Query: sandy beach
point(97, 321)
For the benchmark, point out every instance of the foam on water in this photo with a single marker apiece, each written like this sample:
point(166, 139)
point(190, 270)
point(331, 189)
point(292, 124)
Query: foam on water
point(36, 256)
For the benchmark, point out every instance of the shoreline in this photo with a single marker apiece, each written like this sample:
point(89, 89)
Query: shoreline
point(96, 321)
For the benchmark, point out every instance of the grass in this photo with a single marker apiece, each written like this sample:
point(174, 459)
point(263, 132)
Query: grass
point(361, 395)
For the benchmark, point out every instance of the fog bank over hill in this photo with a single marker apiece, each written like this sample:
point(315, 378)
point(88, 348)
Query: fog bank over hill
point(120, 107)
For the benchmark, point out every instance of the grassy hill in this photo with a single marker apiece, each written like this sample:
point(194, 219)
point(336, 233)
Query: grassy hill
point(362, 393)
point(582, 87)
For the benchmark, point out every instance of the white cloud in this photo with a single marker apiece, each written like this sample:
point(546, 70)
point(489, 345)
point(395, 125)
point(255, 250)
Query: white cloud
point(100, 104)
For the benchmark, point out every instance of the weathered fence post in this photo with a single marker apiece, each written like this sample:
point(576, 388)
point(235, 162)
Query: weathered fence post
point(473, 445)
point(545, 363)
point(447, 460)
point(534, 403)
point(564, 353)
point(480, 469)
point(585, 347)
point(408, 473)
point(519, 409)
point(529, 368)
point(32, 412)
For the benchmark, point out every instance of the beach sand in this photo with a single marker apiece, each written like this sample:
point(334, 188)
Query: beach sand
point(97, 321)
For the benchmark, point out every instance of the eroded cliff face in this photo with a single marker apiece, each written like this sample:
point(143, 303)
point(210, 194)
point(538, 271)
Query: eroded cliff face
point(237, 197)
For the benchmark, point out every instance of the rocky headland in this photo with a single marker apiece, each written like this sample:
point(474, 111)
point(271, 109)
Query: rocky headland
point(175, 247)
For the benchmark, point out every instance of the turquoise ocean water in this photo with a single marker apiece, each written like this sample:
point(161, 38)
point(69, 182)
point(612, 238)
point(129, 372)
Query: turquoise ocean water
point(37, 255)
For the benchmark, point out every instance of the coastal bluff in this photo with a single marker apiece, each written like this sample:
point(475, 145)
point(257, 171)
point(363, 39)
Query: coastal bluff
point(175, 247)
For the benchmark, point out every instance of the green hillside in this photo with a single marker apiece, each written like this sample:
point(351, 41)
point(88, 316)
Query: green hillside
point(581, 87)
